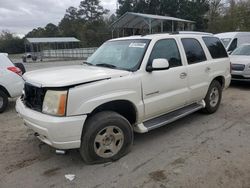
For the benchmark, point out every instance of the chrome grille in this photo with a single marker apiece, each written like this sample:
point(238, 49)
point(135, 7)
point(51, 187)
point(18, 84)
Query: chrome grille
point(33, 97)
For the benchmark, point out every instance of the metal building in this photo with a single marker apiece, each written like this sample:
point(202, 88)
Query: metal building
point(35, 47)
point(149, 23)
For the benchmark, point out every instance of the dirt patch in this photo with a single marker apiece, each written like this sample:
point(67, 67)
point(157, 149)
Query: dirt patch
point(21, 164)
point(158, 175)
point(141, 165)
point(178, 161)
point(51, 172)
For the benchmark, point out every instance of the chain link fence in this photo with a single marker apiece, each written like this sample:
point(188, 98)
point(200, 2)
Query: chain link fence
point(77, 53)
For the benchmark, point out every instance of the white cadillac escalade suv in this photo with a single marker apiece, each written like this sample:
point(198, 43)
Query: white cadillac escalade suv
point(136, 83)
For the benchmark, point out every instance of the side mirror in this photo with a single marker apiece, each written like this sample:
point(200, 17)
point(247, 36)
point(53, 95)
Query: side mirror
point(158, 64)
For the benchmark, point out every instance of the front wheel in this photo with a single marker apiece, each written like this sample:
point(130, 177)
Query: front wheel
point(107, 136)
point(213, 97)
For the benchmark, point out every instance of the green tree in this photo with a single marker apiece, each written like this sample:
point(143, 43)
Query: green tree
point(232, 17)
point(11, 44)
point(51, 30)
point(193, 10)
point(125, 6)
point(86, 23)
point(214, 16)
point(71, 23)
point(72, 13)
point(91, 10)
point(37, 32)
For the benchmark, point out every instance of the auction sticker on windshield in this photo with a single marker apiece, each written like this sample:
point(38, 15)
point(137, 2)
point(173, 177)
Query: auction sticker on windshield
point(137, 45)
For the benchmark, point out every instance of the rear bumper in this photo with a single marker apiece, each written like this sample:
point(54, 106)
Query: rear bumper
point(58, 132)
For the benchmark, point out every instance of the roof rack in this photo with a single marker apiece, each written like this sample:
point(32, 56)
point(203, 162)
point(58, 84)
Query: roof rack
point(194, 32)
point(180, 32)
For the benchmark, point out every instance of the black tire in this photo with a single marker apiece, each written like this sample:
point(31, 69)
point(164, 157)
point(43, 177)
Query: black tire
point(94, 126)
point(21, 67)
point(24, 59)
point(34, 58)
point(3, 101)
point(211, 108)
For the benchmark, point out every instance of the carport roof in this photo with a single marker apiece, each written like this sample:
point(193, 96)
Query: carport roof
point(136, 20)
point(52, 40)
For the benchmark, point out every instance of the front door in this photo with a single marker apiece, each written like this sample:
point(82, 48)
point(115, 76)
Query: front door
point(165, 90)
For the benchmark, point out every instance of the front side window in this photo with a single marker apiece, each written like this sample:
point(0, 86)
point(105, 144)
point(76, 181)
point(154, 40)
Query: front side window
point(193, 50)
point(166, 49)
point(215, 47)
point(122, 54)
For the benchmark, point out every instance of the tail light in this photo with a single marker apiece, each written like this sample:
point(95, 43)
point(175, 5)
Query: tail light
point(15, 70)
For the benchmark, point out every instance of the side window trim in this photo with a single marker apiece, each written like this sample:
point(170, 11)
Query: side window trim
point(178, 48)
point(202, 47)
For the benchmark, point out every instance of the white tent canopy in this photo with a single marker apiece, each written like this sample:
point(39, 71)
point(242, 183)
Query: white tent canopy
point(140, 21)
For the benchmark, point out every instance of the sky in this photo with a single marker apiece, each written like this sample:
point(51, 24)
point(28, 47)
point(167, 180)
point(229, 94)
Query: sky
point(21, 16)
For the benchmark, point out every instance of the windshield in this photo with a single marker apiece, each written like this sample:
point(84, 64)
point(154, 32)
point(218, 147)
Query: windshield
point(242, 50)
point(122, 54)
point(225, 41)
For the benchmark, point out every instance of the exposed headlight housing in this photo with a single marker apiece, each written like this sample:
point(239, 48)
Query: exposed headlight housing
point(54, 102)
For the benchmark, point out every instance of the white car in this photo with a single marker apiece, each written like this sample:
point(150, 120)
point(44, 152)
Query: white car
point(11, 82)
point(136, 83)
point(240, 59)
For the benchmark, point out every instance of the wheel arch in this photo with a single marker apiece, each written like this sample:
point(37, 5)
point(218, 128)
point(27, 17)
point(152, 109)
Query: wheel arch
point(125, 108)
point(221, 80)
point(5, 90)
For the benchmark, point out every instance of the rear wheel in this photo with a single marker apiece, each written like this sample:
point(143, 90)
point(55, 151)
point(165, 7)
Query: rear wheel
point(213, 97)
point(3, 101)
point(107, 136)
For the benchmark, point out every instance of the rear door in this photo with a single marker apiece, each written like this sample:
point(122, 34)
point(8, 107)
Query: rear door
point(165, 90)
point(198, 68)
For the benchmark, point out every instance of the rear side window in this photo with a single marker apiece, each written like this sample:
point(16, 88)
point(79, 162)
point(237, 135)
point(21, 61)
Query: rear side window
point(194, 51)
point(167, 49)
point(215, 47)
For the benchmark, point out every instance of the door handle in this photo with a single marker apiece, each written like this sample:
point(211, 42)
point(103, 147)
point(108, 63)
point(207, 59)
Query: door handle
point(207, 69)
point(183, 75)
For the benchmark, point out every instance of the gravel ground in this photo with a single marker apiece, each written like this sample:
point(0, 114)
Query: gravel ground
point(197, 151)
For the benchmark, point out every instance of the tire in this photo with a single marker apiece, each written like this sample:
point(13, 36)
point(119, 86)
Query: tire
point(3, 101)
point(213, 97)
point(103, 131)
point(24, 59)
point(34, 58)
point(21, 67)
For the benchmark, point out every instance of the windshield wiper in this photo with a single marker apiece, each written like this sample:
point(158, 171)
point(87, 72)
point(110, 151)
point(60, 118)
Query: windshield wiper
point(87, 63)
point(106, 65)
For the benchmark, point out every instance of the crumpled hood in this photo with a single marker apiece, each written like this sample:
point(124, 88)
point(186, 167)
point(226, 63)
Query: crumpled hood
point(240, 59)
point(70, 75)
